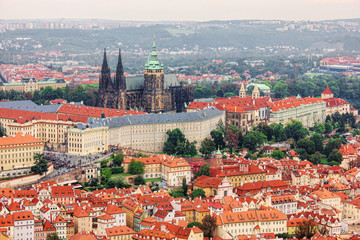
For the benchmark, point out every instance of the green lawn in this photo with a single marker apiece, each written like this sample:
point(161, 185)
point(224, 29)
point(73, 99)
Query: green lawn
point(153, 180)
point(120, 174)
point(107, 160)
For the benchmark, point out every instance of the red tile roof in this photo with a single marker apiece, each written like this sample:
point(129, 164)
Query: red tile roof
point(88, 111)
point(327, 91)
point(19, 138)
point(21, 116)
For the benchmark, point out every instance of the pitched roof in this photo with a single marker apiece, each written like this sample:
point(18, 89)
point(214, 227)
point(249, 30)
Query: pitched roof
point(19, 138)
point(119, 230)
point(327, 91)
point(207, 182)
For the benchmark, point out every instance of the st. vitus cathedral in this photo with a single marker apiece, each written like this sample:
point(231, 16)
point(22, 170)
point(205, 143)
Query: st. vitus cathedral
point(152, 92)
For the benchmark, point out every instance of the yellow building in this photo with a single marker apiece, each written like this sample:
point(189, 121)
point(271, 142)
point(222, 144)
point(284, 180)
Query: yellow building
point(120, 232)
point(130, 207)
point(208, 184)
point(32, 85)
point(352, 209)
point(327, 197)
point(172, 169)
point(82, 220)
point(188, 208)
point(293, 224)
point(251, 222)
point(241, 173)
point(18, 151)
point(91, 140)
point(147, 132)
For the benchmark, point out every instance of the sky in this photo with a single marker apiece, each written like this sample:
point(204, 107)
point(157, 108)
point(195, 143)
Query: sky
point(181, 10)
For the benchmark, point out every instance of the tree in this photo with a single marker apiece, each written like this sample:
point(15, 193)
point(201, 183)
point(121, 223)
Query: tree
point(105, 173)
point(331, 145)
point(278, 154)
point(253, 139)
point(177, 193)
point(319, 128)
point(277, 132)
point(307, 145)
point(141, 155)
point(265, 129)
point(318, 141)
point(232, 139)
point(184, 186)
point(283, 235)
point(204, 170)
point(335, 157)
point(198, 193)
point(316, 158)
point(295, 130)
point(94, 182)
point(208, 226)
point(207, 148)
point(52, 236)
point(328, 127)
point(41, 164)
point(139, 180)
point(177, 144)
point(280, 90)
point(193, 224)
point(120, 181)
point(118, 159)
point(306, 229)
point(218, 138)
point(174, 137)
point(136, 167)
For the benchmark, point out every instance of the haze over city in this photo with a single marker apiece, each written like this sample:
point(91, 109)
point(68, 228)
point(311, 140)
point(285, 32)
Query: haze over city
point(181, 10)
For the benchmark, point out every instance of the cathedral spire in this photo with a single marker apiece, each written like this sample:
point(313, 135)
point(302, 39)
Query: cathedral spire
point(120, 81)
point(153, 64)
point(105, 73)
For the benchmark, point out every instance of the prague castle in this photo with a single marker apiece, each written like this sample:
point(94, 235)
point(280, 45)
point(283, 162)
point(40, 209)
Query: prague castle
point(154, 92)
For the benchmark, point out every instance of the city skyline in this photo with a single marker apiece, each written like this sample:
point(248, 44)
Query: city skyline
point(186, 10)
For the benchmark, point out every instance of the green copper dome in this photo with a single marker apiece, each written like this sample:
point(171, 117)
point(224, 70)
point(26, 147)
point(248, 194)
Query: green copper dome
point(218, 152)
point(153, 63)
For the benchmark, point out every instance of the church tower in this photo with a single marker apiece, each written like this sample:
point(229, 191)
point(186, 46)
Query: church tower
point(154, 89)
point(256, 92)
point(120, 84)
point(242, 92)
point(327, 93)
point(105, 82)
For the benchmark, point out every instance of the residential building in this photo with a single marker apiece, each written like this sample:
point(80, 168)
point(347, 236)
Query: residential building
point(24, 224)
point(120, 232)
point(251, 222)
point(172, 169)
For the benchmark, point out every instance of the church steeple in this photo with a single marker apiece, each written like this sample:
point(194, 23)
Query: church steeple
point(256, 92)
point(105, 78)
point(120, 81)
point(153, 63)
point(242, 92)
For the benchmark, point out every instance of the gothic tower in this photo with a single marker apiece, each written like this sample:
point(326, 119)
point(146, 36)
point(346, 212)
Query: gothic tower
point(242, 92)
point(154, 90)
point(120, 84)
point(104, 82)
point(256, 92)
